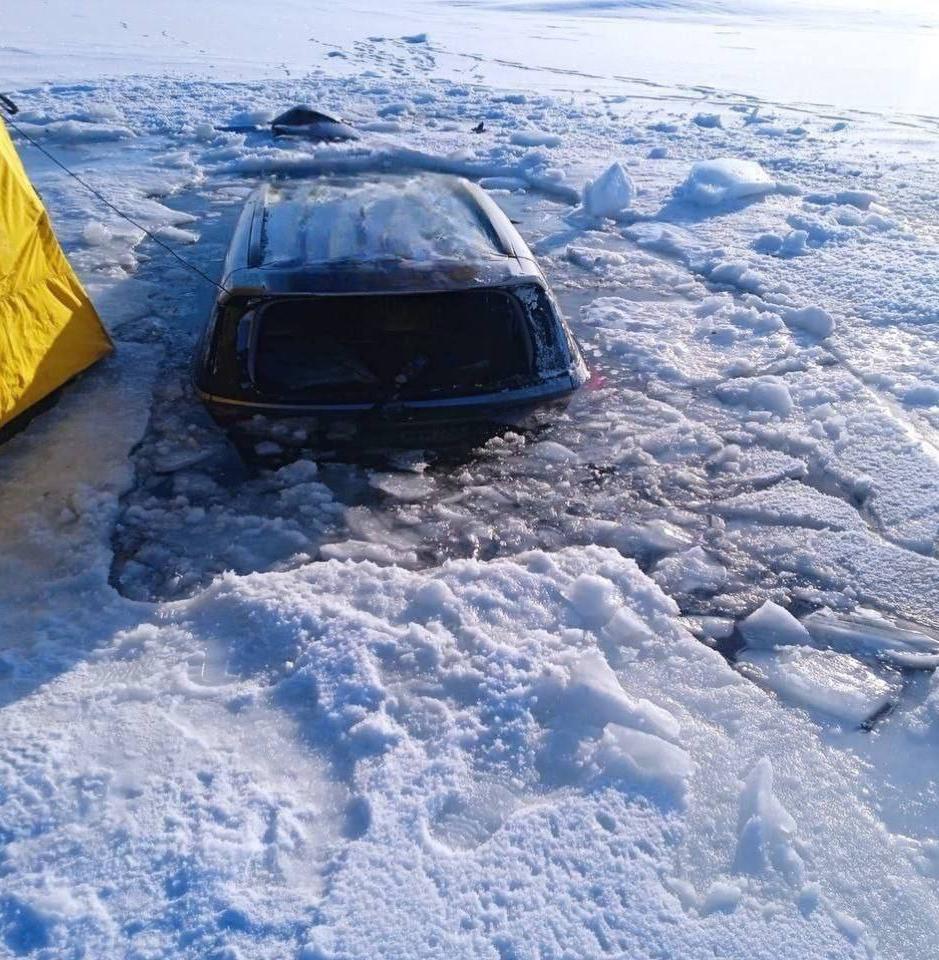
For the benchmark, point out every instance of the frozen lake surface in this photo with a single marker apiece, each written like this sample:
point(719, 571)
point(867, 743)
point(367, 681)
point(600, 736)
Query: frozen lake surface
point(654, 679)
point(847, 53)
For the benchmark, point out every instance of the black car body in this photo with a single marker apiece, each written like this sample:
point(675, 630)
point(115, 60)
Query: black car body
point(385, 310)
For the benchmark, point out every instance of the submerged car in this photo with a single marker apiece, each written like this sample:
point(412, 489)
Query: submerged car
point(387, 310)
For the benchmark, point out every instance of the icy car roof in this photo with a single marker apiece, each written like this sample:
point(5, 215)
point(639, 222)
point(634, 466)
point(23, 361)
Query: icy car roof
point(419, 232)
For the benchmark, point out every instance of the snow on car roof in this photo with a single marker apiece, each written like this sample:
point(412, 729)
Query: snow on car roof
point(425, 230)
point(417, 218)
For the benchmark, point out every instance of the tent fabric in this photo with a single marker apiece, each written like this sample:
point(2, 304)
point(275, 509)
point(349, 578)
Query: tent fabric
point(49, 330)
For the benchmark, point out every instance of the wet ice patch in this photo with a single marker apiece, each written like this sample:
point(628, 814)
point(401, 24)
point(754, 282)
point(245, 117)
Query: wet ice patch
point(832, 683)
point(407, 487)
point(186, 521)
point(869, 633)
point(554, 452)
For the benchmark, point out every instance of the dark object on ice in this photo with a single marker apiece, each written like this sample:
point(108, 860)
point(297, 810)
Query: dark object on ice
point(311, 125)
point(387, 311)
point(480, 127)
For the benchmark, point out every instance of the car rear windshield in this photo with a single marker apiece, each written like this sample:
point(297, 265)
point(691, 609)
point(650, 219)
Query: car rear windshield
point(391, 347)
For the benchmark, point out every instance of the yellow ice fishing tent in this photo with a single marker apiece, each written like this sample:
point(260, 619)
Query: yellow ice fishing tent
point(49, 331)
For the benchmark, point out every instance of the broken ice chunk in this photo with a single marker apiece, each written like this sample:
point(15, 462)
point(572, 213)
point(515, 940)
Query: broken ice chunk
point(690, 572)
point(534, 138)
point(709, 121)
point(725, 180)
point(709, 629)
point(661, 535)
point(869, 633)
point(403, 486)
point(610, 194)
point(767, 838)
point(772, 626)
point(633, 755)
point(593, 696)
point(833, 683)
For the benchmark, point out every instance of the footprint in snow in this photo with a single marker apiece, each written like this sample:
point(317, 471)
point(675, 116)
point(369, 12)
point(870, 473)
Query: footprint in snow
point(464, 821)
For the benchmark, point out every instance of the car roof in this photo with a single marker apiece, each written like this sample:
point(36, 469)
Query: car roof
point(374, 233)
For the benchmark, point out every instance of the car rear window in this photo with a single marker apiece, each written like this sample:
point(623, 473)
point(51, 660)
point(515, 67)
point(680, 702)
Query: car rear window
point(391, 347)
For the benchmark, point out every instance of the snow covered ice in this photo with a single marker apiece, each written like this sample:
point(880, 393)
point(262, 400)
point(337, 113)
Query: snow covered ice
point(715, 182)
point(654, 679)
